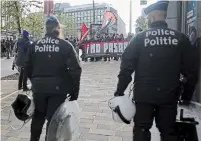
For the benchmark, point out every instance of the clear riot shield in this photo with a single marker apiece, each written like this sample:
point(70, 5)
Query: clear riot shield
point(65, 122)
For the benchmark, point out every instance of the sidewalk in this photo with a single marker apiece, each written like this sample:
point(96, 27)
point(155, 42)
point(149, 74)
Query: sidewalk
point(98, 84)
point(6, 67)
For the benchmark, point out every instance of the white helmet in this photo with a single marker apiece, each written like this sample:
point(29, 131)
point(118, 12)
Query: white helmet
point(123, 109)
point(65, 122)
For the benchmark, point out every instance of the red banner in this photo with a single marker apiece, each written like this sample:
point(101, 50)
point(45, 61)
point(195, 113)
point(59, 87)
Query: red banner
point(104, 48)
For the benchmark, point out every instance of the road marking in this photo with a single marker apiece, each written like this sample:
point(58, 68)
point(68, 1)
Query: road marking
point(9, 95)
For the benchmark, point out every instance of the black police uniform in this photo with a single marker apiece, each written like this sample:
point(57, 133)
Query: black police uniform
point(22, 48)
point(158, 56)
point(54, 70)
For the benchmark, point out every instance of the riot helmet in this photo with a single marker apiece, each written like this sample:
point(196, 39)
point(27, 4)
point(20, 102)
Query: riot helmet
point(123, 109)
point(23, 107)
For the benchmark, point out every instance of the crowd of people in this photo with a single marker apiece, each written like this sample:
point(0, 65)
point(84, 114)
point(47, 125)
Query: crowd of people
point(7, 47)
point(103, 38)
point(108, 37)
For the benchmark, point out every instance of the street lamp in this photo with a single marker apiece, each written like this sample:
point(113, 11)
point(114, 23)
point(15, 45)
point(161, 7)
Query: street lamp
point(130, 24)
point(93, 12)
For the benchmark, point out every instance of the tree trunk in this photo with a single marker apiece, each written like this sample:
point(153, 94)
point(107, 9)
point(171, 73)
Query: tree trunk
point(17, 17)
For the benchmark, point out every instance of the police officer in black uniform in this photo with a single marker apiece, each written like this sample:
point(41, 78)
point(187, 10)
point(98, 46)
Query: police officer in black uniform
point(54, 70)
point(158, 56)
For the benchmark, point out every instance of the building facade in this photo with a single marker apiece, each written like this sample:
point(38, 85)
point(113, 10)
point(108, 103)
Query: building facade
point(84, 14)
point(184, 16)
point(121, 27)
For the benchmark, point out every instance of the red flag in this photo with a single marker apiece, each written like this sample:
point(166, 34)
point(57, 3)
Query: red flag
point(84, 32)
point(84, 29)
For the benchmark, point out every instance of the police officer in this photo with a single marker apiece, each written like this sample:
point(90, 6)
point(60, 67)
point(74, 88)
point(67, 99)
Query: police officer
point(158, 56)
point(54, 70)
point(22, 48)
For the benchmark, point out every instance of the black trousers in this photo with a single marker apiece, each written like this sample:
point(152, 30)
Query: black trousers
point(165, 117)
point(22, 79)
point(45, 107)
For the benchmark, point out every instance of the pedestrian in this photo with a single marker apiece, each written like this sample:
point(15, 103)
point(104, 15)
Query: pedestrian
point(54, 70)
point(157, 56)
point(3, 48)
point(22, 47)
point(11, 47)
point(8, 48)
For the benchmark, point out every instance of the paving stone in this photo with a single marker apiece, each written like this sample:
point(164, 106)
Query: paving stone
point(83, 130)
point(86, 120)
point(124, 133)
point(101, 132)
point(97, 137)
point(107, 127)
point(13, 133)
point(91, 110)
point(115, 138)
point(4, 138)
point(127, 138)
point(24, 135)
point(13, 139)
point(106, 118)
point(4, 132)
point(104, 114)
point(24, 139)
point(105, 122)
point(4, 127)
point(88, 125)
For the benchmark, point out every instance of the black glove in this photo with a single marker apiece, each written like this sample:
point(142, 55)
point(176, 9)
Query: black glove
point(118, 94)
point(74, 95)
point(184, 102)
point(25, 88)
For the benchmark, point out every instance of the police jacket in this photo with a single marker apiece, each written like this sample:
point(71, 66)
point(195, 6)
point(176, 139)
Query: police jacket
point(158, 56)
point(53, 66)
point(22, 47)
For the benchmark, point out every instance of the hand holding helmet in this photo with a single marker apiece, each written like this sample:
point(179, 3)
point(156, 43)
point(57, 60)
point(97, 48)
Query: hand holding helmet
point(123, 109)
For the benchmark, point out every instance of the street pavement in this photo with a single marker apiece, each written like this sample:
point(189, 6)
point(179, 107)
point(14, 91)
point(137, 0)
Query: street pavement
point(6, 67)
point(98, 84)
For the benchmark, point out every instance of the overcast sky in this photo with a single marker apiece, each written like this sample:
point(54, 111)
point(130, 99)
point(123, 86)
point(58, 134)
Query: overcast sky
point(122, 7)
